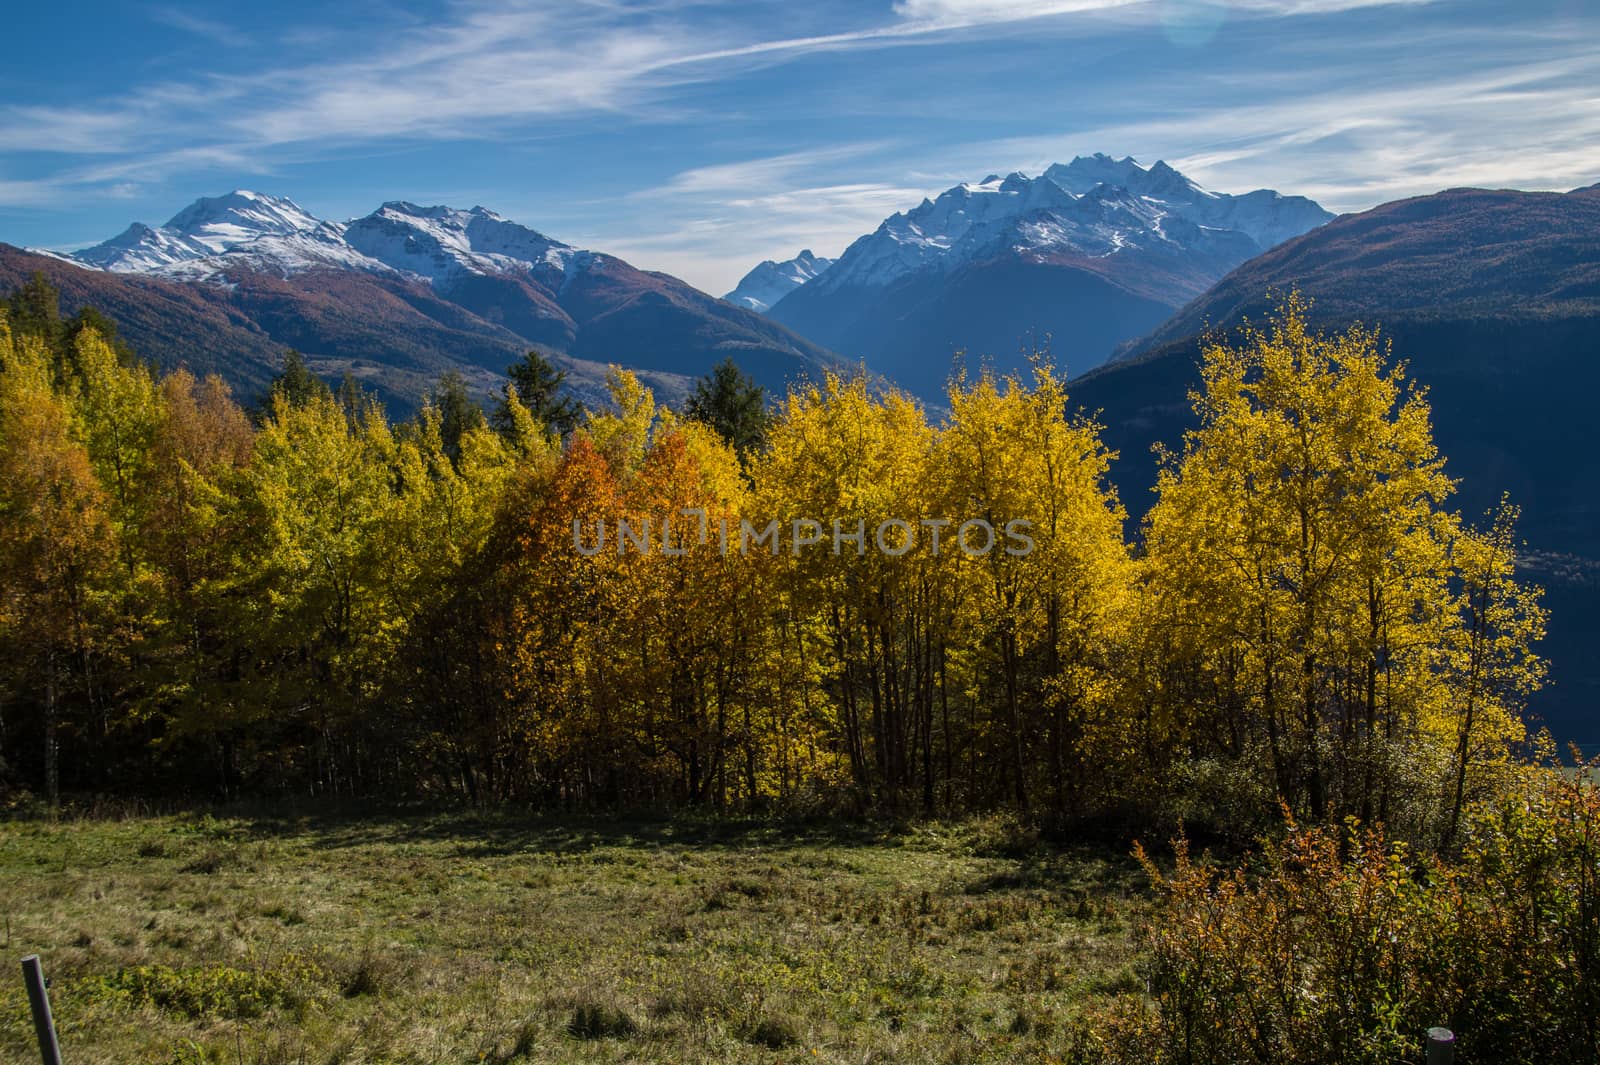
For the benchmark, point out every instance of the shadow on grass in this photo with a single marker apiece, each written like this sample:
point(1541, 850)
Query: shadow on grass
point(1079, 859)
point(499, 833)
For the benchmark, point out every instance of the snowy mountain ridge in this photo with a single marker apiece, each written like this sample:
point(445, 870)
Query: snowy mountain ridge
point(274, 235)
point(1094, 206)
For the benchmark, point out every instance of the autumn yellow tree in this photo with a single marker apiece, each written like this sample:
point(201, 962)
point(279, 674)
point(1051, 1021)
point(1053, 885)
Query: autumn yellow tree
point(194, 529)
point(1040, 607)
point(120, 411)
point(319, 490)
point(841, 491)
point(556, 674)
point(440, 545)
point(1490, 669)
point(56, 542)
point(1302, 559)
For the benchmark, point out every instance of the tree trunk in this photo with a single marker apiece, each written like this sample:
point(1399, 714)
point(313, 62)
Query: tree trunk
point(1009, 642)
point(52, 752)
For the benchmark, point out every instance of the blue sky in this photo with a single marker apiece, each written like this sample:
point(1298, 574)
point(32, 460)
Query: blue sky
point(701, 137)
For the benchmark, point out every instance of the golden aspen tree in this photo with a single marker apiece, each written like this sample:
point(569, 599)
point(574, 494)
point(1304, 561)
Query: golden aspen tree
point(1044, 595)
point(556, 669)
point(622, 435)
point(841, 483)
point(1490, 662)
point(682, 608)
point(120, 412)
point(320, 487)
point(1300, 548)
point(437, 595)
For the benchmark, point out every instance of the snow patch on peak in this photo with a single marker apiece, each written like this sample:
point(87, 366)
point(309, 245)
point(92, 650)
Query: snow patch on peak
point(1085, 172)
point(441, 243)
point(140, 248)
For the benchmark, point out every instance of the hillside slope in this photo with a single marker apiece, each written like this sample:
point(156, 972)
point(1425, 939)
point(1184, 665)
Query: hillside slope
point(1492, 299)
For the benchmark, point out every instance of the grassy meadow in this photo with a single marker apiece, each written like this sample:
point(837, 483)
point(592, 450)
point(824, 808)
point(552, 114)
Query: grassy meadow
point(494, 938)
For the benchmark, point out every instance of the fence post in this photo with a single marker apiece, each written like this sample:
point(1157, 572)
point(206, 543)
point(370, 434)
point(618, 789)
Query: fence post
point(1441, 1046)
point(44, 1027)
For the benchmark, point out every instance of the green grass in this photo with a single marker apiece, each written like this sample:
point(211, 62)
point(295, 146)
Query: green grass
point(460, 938)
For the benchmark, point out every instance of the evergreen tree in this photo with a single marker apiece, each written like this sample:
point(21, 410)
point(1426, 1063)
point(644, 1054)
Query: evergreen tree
point(89, 319)
point(458, 413)
point(538, 384)
point(735, 406)
point(35, 308)
point(295, 382)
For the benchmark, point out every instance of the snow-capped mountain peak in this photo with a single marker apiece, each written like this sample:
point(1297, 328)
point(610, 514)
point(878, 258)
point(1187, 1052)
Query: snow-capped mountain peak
point(441, 243)
point(223, 222)
point(215, 233)
point(1087, 171)
point(770, 281)
point(141, 249)
point(1086, 255)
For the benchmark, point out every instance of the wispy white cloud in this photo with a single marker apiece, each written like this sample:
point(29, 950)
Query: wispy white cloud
point(64, 130)
point(952, 13)
point(25, 193)
point(712, 223)
point(199, 26)
point(714, 243)
point(488, 64)
point(766, 172)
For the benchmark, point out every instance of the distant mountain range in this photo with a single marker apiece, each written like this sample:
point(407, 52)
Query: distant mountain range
point(1492, 301)
point(402, 294)
point(1086, 256)
point(769, 282)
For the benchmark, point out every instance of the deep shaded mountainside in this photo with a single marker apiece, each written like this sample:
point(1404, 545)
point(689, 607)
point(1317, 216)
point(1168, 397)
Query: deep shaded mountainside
point(916, 326)
point(1492, 299)
point(1450, 256)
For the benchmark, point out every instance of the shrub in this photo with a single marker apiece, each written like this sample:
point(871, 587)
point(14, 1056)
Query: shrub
point(369, 974)
point(600, 1020)
point(1341, 946)
point(774, 1033)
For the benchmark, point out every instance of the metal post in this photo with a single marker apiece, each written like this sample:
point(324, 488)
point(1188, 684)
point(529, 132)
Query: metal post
point(1441, 1046)
point(43, 1026)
